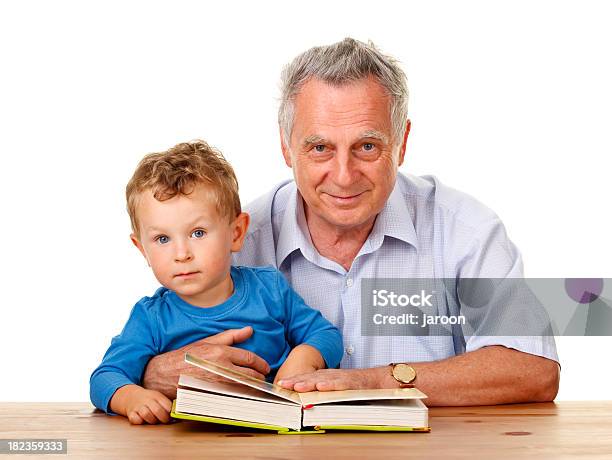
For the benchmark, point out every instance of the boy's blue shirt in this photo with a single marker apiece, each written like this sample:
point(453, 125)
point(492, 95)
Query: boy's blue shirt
point(262, 299)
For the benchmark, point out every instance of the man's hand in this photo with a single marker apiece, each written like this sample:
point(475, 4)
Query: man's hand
point(162, 372)
point(334, 379)
point(140, 405)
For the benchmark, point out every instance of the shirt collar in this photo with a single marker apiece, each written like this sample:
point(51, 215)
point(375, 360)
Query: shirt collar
point(394, 221)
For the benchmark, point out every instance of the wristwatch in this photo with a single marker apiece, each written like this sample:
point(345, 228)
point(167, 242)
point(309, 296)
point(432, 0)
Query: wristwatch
point(404, 374)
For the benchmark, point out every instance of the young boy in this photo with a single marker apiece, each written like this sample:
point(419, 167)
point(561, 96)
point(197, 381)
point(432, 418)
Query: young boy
point(186, 221)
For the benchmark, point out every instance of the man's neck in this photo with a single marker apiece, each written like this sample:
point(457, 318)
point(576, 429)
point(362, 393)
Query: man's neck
point(335, 243)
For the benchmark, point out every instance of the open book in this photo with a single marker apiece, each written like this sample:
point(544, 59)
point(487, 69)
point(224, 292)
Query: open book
point(254, 403)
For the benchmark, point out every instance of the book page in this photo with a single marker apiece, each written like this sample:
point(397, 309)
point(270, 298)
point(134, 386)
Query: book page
point(323, 397)
point(230, 389)
point(244, 379)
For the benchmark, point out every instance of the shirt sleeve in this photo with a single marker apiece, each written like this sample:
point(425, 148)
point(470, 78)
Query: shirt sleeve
point(125, 359)
point(305, 325)
point(499, 307)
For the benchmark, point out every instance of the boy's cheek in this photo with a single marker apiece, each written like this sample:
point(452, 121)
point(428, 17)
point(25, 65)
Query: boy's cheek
point(164, 279)
point(155, 258)
point(160, 269)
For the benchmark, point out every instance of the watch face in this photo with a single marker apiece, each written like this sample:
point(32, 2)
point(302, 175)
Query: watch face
point(404, 373)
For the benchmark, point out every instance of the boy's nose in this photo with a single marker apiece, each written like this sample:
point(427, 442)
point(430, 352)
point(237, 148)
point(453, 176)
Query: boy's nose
point(183, 257)
point(183, 254)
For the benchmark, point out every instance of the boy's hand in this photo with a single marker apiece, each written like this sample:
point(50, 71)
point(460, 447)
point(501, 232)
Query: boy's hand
point(140, 405)
point(148, 406)
point(303, 359)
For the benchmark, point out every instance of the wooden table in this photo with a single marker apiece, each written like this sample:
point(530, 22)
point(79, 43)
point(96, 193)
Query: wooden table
point(546, 430)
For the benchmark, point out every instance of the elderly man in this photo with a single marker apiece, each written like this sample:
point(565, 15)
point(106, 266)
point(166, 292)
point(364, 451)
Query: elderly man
point(350, 216)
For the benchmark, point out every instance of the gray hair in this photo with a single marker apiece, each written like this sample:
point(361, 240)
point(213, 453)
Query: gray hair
point(341, 63)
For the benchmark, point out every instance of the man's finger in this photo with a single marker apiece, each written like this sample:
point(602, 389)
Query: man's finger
point(250, 372)
point(307, 382)
point(230, 337)
point(211, 377)
point(332, 385)
point(246, 358)
point(288, 382)
point(305, 385)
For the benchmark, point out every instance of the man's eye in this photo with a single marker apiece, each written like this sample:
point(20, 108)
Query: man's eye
point(368, 147)
point(198, 234)
point(320, 148)
point(162, 239)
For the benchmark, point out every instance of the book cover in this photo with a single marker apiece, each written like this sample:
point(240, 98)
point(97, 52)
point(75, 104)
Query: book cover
point(253, 403)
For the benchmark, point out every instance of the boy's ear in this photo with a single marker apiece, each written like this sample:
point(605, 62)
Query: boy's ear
point(138, 244)
point(240, 225)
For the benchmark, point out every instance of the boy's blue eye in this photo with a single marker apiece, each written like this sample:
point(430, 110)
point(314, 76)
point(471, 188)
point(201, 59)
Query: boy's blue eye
point(162, 239)
point(198, 233)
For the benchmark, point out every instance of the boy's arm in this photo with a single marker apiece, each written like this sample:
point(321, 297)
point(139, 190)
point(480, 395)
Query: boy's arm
point(302, 359)
point(306, 326)
point(124, 361)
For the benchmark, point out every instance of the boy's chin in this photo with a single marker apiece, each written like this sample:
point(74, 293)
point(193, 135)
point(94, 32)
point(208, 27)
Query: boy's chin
point(188, 291)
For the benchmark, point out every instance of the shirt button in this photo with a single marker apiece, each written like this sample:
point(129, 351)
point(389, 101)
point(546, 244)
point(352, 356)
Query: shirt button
point(349, 282)
point(350, 350)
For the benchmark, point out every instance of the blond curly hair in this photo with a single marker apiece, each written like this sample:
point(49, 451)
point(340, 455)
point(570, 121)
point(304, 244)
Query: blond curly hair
point(178, 170)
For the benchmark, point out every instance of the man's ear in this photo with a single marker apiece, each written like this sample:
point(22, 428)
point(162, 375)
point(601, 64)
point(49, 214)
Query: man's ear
point(402, 152)
point(138, 244)
point(240, 225)
point(285, 148)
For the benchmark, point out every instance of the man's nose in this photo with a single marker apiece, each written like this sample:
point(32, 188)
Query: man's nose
point(345, 169)
point(183, 252)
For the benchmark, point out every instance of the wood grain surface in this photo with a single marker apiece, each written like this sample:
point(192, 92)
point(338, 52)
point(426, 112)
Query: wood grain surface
point(544, 431)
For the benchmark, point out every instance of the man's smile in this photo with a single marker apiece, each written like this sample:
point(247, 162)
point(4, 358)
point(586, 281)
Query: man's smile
point(344, 200)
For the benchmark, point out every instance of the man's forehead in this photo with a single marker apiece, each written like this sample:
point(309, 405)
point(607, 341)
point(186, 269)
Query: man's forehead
point(363, 105)
point(368, 88)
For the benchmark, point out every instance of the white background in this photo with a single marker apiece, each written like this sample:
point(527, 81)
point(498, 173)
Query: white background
point(510, 102)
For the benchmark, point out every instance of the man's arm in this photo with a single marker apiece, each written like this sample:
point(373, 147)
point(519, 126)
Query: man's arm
point(163, 371)
point(490, 375)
